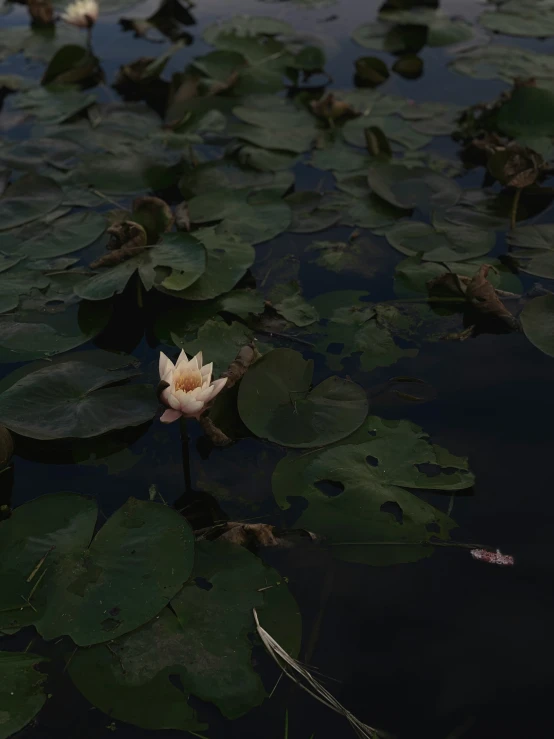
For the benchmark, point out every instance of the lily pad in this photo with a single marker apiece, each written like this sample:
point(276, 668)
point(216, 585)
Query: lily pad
point(95, 592)
point(21, 690)
point(55, 238)
point(537, 320)
point(414, 187)
point(73, 399)
point(180, 252)
point(246, 26)
point(443, 242)
point(521, 18)
point(219, 341)
point(291, 414)
point(203, 639)
point(370, 517)
point(28, 199)
point(227, 259)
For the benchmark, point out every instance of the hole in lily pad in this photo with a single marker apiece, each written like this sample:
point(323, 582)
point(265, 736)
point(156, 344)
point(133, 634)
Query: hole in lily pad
point(432, 470)
point(373, 461)
point(394, 509)
point(218, 251)
point(335, 348)
point(110, 624)
point(433, 527)
point(176, 681)
point(203, 583)
point(330, 488)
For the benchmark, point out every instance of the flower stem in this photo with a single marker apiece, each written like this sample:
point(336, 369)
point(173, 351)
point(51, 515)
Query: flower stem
point(185, 452)
point(515, 203)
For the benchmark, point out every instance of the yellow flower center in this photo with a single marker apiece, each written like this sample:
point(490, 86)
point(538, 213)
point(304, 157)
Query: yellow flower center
point(188, 380)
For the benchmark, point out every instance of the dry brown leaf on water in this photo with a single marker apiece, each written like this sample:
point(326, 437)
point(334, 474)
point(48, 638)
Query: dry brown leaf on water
point(127, 239)
point(182, 217)
point(218, 86)
point(41, 11)
point(330, 108)
point(239, 366)
point(483, 297)
point(214, 434)
point(451, 283)
point(183, 89)
point(515, 165)
point(251, 535)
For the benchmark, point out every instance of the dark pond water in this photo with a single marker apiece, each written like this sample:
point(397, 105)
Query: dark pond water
point(443, 647)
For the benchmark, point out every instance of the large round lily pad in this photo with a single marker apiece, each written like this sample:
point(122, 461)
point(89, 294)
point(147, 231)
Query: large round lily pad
point(137, 562)
point(74, 399)
point(203, 640)
point(276, 403)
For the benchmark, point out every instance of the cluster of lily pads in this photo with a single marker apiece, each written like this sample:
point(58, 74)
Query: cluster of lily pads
point(176, 207)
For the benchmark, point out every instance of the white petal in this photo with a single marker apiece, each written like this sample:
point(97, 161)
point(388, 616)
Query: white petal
point(205, 394)
point(173, 401)
point(191, 407)
point(199, 360)
point(170, 415)
point(181, 358)
point(218, 385)
point(206, 371)
point(165, 366)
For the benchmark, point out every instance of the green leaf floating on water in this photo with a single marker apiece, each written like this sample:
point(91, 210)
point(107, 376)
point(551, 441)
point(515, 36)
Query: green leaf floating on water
point(28, 199)
point(182, 253)
point(521, 18)
point(440, 242)
point(528, 112)
point(217, 340)
point(92, 591)
point(275, 402)
point(410, 188)
point(73, 399)
point(537, 248)
point(354, 327)
point(21, 692)
point(246, 26)
point(370, 517)
point(227, 259)
point(203, 639)
point(55, 238)
point(537, 320)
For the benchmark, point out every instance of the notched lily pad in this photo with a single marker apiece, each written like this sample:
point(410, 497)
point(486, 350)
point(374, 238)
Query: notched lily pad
point(291, 413)
point(91, 591)
point(73, 399)
point(203, 639)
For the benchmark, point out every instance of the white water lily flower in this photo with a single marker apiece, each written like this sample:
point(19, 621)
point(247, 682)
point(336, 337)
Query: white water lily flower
point(82, 13)
point(190, 386)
